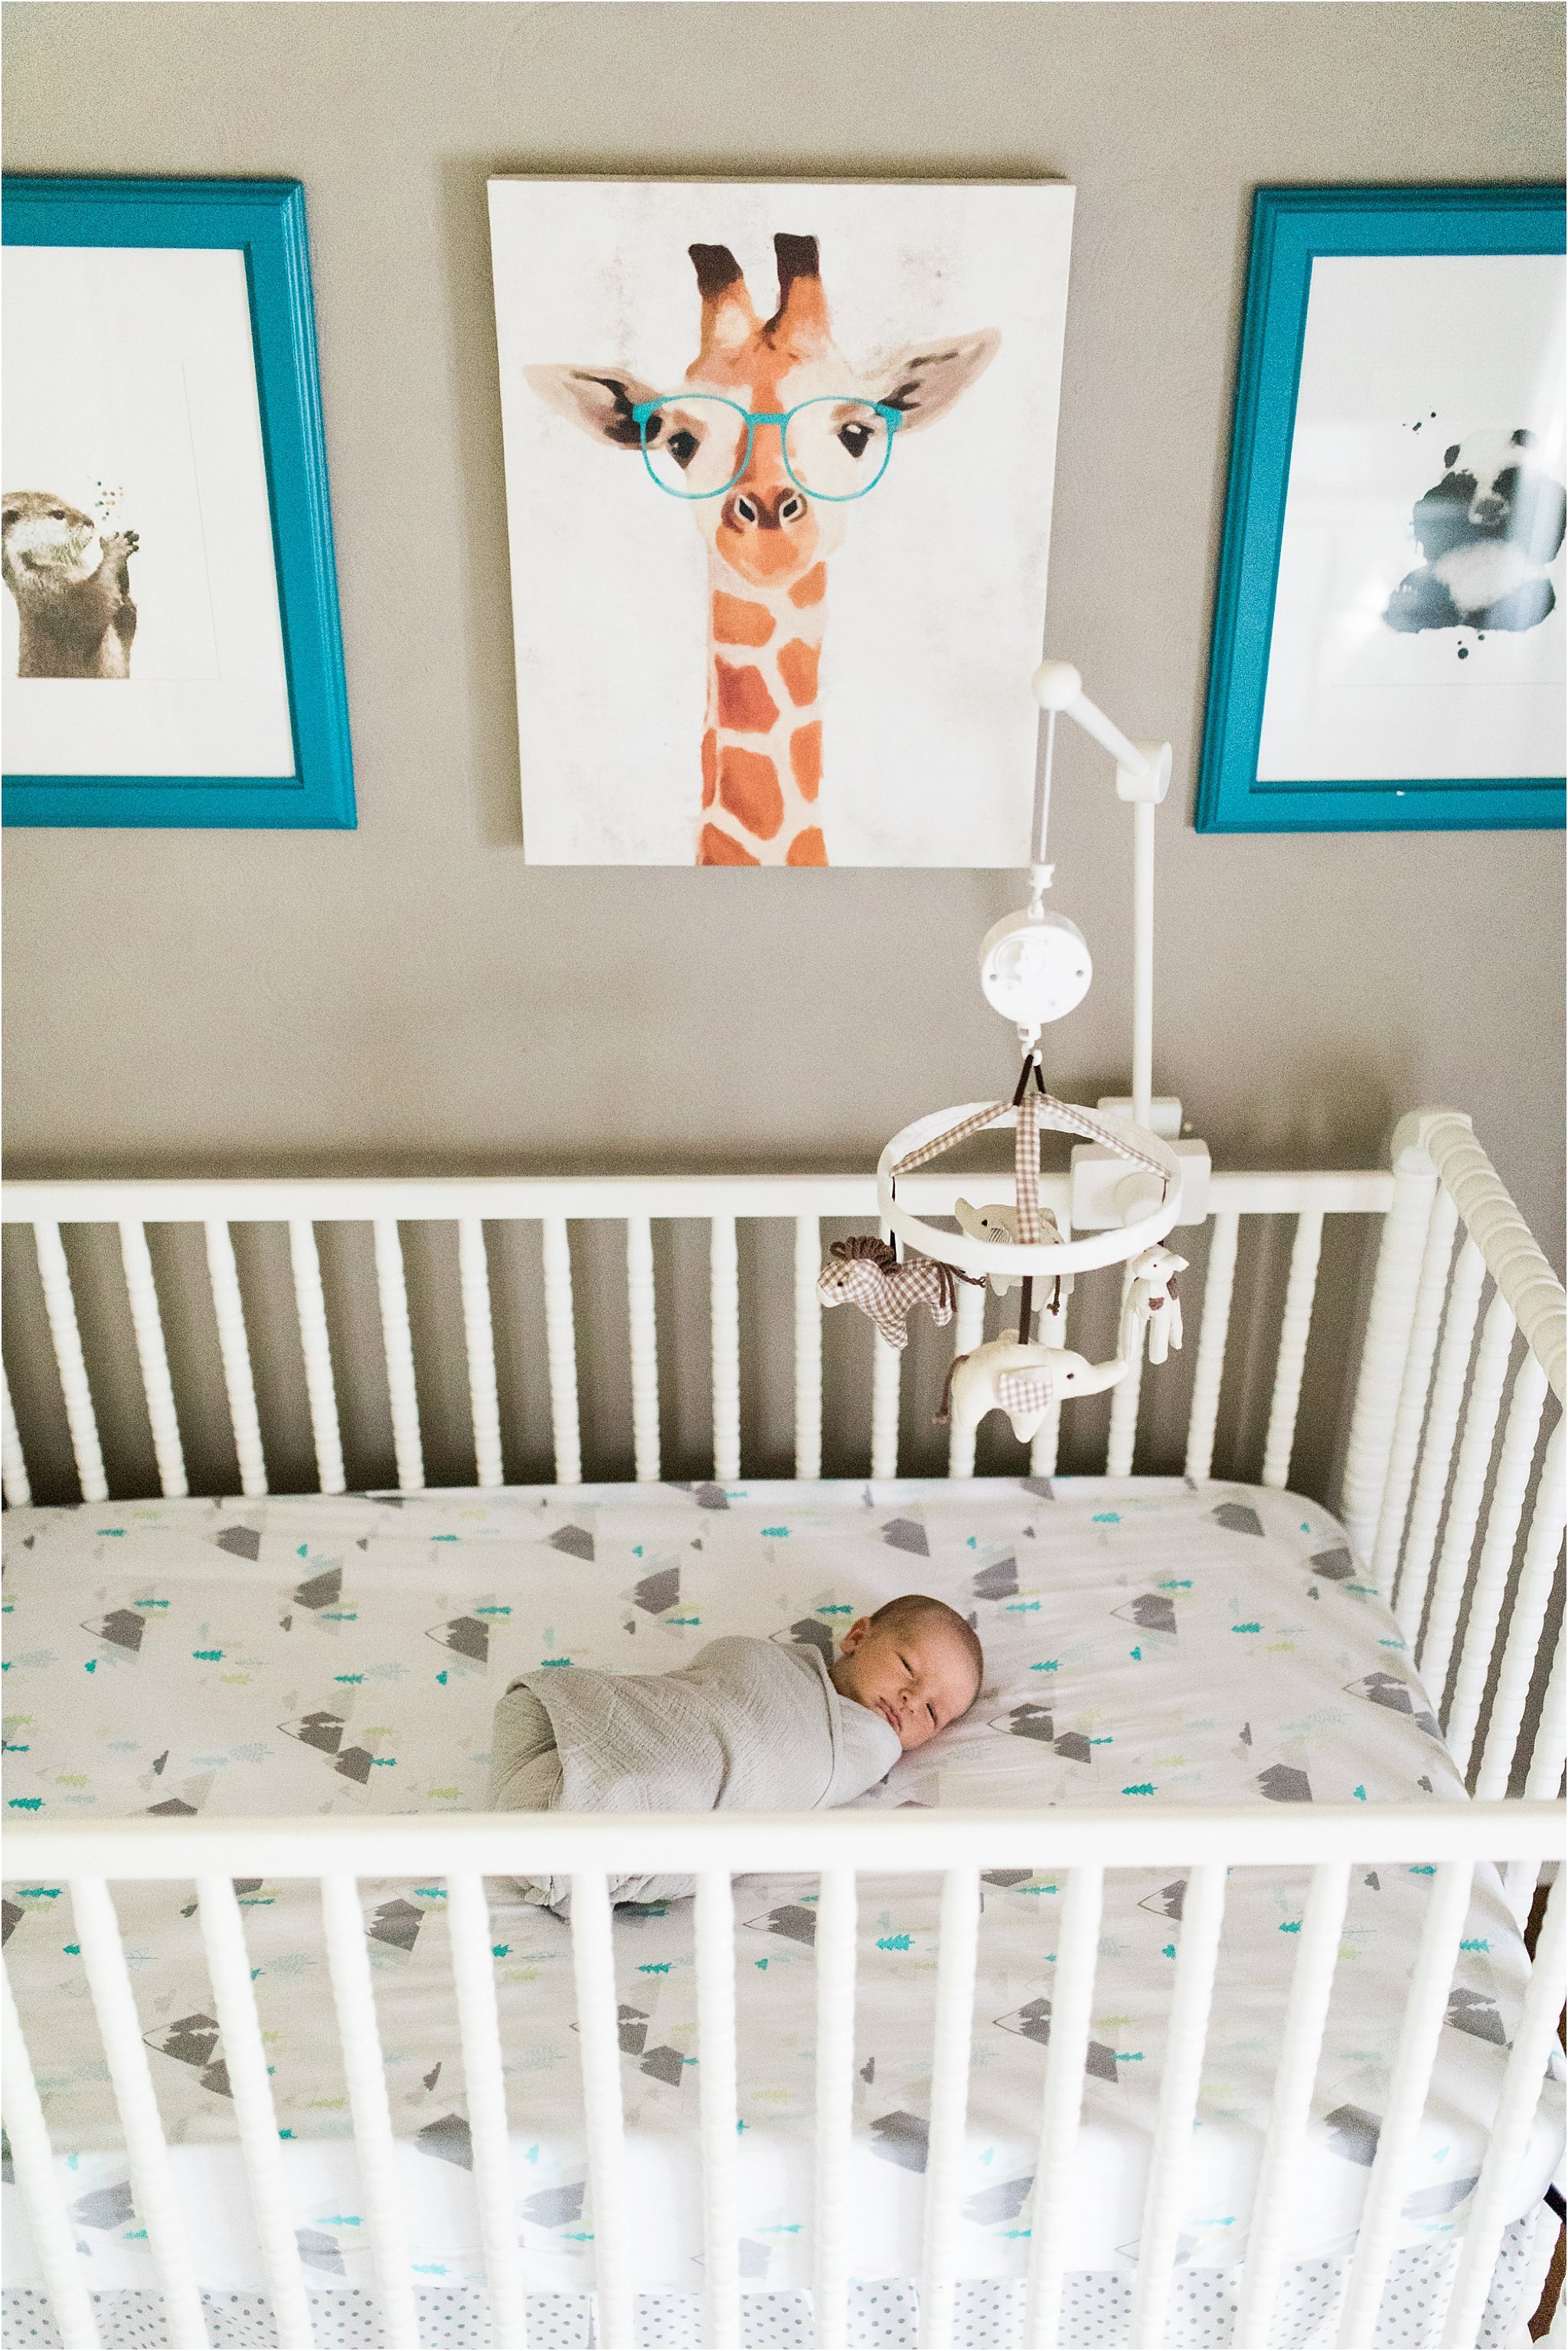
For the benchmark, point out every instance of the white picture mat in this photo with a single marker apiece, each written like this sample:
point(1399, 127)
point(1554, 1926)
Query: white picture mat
point(1479, 339)
point(132, 368)
point(936, 601)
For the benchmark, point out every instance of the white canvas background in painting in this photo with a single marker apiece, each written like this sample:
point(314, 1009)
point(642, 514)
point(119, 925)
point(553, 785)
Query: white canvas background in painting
point(1477, 339)
point(133, 371)
point(936, 599)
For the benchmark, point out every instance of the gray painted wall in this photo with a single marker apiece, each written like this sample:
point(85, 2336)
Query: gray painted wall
point(411, 995)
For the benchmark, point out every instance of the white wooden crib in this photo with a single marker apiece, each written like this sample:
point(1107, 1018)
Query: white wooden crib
point(1452, 1492)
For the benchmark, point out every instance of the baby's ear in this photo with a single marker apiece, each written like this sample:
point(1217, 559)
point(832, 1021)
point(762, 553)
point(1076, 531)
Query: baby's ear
point(856, 1634)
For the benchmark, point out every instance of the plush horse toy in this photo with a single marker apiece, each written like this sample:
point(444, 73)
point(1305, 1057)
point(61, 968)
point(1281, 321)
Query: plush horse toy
point(866, 1272)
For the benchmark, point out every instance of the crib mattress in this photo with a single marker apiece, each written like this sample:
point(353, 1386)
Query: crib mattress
point(1145, 1640)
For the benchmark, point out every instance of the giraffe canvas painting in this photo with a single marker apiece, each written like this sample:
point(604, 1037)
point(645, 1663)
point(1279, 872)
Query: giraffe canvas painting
point(852, 393)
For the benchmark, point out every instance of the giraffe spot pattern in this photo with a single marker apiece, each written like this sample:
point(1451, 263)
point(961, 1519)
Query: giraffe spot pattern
point(710, 767)
point(808, 847)
point(797, 668)
point(748, 789)
point(736, 623)
point(745, 705)
point(718, 848)
point(811, 590)
point(806, 759)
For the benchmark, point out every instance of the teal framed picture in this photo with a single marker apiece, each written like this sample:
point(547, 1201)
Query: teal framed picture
point(1389, 645)
point(169, 630)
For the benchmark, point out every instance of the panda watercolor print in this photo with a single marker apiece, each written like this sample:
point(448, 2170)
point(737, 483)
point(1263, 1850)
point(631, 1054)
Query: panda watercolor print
point(1487, 531)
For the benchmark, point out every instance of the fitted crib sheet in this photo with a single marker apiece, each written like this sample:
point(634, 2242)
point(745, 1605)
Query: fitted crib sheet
point(1145, 1641)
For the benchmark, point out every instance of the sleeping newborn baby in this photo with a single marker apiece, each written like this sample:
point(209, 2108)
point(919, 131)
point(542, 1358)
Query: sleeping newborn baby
point(756, 1726)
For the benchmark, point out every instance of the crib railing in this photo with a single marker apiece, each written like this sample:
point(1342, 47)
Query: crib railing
point(1077, 1846)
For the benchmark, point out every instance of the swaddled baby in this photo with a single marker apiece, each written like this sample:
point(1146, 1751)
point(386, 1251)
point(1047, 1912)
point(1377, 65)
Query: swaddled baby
point(756, 1726)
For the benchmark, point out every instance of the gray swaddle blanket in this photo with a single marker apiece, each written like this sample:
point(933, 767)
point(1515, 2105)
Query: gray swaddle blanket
point(749, 1725)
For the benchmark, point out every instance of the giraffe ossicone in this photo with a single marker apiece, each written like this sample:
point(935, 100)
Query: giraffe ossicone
point(769, 539)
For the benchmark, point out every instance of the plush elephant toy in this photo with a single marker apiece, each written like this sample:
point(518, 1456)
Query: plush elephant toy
point(1025, 1381)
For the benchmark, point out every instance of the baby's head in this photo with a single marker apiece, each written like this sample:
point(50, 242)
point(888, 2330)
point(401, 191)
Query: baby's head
point(916, 1662)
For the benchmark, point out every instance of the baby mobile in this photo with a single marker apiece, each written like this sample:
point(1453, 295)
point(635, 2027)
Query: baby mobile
point(1035, 967)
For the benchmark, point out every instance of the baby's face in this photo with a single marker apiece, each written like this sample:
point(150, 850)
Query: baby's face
point(919, 1678)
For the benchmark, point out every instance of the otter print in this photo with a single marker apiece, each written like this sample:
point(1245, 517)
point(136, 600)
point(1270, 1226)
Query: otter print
point(72, 589)
point(770, 439)
point(1488, 530)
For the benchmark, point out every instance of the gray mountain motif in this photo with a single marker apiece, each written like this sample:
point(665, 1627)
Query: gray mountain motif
point(320, 2251)
point(468, 1636)
point(14, 1914)
point(105, 2208)
point(1151, 1611)
point(172, 1808)
point(1074, 1745)
point(193, 2041)
point(1240, 1517)
point(396, 1923)
point(710, 1497)
point(659, 1591)
point(632, 2030)
point(868, 2070)
point(244, 1542)
point(1033, 2022)
point(122, 1627)
point(1352, 2133)
point(1005, 1878)
point(796, 1921)
point(1477, 2012)
point(1040, 1486)
point(323, 1590)
point(1168, 1902)
point(1382, 1688)
point(810, 1633)
point(903, 2139)
point(1283, 1783)
point(354, 1763)
point(1431, 2203)
point(1335, 1566)
point(552, 2208)
point(1027, 1722)
point(907, 1534)
point(319, 1729)
point(449, 2138)
point(1004, 2201)
point(665, 2064)
point(997, 1582)
point(576, 1542)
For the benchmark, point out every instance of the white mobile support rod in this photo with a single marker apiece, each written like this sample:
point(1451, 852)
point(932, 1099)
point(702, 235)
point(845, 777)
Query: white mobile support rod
point(1143, 777)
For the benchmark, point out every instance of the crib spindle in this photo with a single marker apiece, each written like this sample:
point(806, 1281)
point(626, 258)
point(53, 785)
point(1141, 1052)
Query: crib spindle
point(598, 2037)
point(886, 1376)
point(1385, 1346)
point(1533, 1596)
point(397, 1342)
point(154, 1357)
point(1465, 1497)
point(1438, 1449)
point(714, 1930)
point(1543, 1777)
point(60, 1305)
point(1431, 1288)
point(479, 1344)
point(1489, 1582)
point(1124, 1432)
point(348, 1960)
point(968, 1329)
point(836, 1920)
point(808, 1348)
point(1213, 1333)
point(955, 1955)
point(560, 1347)
point(1197, 1952)
point(1055, 2165)
point(245, 2056)
point(1495, 2192)
point(1301, 1288)
point(1279, 2179)
point(725, 1301)
point(239, 1380)
point(478, 2025)
point(315, 1346)
point(1425, 2007)
point(158, 2205)
point(642, 1331)
point(18, 1488)
point(39, 2182)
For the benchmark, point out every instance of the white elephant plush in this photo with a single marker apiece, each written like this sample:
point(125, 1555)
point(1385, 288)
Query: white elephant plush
point(996, 1222)
point(1025, 1381)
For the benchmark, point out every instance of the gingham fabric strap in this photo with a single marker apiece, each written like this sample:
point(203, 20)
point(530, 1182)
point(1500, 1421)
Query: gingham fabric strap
point(1021, 1392)
point(1026, 1167)
point(1047, 1109)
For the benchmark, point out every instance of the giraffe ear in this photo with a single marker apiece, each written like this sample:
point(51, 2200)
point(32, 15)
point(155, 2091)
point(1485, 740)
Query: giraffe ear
point(598, 400)
point(927, 380)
